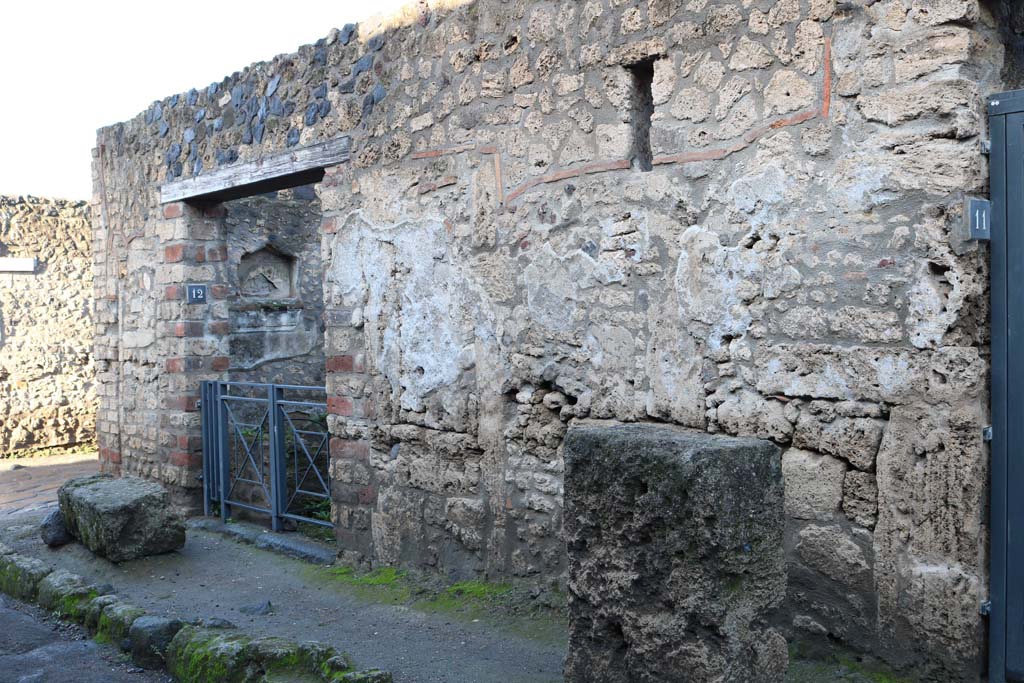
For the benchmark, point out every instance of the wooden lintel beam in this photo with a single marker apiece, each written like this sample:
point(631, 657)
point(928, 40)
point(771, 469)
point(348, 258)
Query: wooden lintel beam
point(278, 171)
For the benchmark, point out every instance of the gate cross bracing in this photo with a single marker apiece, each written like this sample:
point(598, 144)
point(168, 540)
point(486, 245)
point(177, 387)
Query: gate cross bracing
point(265, 449)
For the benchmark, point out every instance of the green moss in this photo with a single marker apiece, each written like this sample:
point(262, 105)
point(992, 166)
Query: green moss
point(470, 597)
point(114, 622)
point(872, 671)
point(73, 606)
point(386, 584)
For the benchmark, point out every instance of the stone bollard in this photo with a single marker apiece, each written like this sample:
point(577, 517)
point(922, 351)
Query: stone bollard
point(675, 556)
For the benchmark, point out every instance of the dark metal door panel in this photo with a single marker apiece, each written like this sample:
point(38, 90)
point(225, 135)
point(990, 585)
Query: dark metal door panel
point(1011, 290)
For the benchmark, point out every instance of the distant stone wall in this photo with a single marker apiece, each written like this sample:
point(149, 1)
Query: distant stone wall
point(47, 395)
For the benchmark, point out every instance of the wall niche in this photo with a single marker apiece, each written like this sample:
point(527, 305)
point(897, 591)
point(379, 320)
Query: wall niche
point(266, 274)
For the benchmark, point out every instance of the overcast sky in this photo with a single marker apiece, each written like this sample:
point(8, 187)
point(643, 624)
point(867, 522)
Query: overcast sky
point(69, 68)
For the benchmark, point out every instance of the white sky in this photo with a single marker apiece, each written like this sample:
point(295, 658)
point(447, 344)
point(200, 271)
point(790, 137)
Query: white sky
point(70, 67)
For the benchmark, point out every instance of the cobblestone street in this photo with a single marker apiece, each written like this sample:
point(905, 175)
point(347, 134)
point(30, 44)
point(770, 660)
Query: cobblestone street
point(28, 484)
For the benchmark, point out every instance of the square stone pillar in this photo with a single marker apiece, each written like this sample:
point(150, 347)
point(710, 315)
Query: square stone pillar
point(675, 556)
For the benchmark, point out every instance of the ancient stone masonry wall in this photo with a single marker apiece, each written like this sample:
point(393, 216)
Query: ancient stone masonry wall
point(499, 262)
point(47, 393)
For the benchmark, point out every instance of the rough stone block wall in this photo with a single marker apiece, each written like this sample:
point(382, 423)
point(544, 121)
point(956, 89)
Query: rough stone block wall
point(499, 262)
point(47, 394)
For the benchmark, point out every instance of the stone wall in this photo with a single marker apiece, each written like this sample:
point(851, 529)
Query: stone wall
point(739, 217)
point(47, 393)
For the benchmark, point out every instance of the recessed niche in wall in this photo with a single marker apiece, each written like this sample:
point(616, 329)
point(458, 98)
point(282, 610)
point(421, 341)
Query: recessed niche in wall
point(266, 274)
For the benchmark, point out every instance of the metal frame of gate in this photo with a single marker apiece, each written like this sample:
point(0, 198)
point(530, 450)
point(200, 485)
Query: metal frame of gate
point(1006, 605)
point(252, 435)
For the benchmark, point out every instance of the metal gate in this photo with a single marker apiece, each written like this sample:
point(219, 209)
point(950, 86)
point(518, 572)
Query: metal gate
point(1006, 624)
point(265, 450)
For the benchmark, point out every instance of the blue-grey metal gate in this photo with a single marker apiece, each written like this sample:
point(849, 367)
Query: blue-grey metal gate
point(265, 449)
point(1006, 615)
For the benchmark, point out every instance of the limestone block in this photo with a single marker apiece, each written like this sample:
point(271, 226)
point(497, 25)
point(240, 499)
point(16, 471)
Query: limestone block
point(786, 92)
point(675, 555)
point(854, 439)
point(814, 484)
point(929, 563)
point(121, 519)
point(860, 498)
point(933, 12)
point(833, 552)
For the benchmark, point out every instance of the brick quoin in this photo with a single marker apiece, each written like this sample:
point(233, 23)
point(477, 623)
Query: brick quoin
point(341, 364)
point(185, 404)
point(174, 210)
point(340, 405)
point(174, 253)
point(174, 292)
point(185, 459)
point(110, 455)
point(349, 449)
point(174, 365)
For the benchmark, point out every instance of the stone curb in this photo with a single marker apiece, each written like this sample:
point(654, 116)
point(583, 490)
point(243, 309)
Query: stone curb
point(298, 548)
point(189, 652)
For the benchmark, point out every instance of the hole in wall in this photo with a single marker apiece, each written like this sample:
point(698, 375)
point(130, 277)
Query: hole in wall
point(642, 111)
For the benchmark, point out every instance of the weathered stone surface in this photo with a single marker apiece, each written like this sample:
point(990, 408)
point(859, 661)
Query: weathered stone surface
point(834, 553)
point(47, 370)
point(65, 594)
point(814, 484)
point(121, 519)
point(20, 576)
point(671, 535)
point(150, 637)
point(197, 654)
point(115, 620)
point(53, 530)
point(860, 498)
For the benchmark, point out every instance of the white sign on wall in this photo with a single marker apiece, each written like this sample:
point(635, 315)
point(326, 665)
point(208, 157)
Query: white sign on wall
point(17, 265)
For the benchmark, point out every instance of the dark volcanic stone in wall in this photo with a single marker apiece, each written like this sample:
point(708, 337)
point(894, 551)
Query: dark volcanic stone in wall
point(675, 556)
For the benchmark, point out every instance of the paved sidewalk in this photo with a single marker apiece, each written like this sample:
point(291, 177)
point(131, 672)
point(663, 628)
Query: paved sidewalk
point(28, 484)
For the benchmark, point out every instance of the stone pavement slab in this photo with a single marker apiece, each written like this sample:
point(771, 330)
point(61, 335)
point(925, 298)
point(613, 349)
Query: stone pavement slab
point(28, 484)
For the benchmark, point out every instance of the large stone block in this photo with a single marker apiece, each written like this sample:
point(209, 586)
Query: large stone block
point(675, 555)
point(121, 519)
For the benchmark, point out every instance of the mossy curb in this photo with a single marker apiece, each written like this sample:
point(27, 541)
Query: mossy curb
point(65, 594)
point(197, 655)
point(194, 655)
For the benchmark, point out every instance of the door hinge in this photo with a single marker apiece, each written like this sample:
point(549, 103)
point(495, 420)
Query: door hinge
point(986, 433)
point(985, 608)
